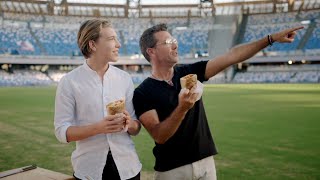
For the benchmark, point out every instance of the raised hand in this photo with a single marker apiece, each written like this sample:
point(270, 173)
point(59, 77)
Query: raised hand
point(187, 98)
point(286, 36)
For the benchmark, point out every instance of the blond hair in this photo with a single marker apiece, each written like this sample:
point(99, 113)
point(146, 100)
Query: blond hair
point(90, 30)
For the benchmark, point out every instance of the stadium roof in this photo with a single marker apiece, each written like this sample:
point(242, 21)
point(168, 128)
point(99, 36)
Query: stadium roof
point(154, 8)
point(152, 2)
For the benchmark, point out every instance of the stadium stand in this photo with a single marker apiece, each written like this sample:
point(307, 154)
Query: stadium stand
point(279, 74)
point(24, 78)
point(53, 34)
point(57, 39)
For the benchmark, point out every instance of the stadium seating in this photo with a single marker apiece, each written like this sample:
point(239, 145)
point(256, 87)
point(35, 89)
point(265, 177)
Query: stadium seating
point(56, 36)
point(49, 35)
point(56, 39)
point(259, 26)
point(24, 78)
point(314, 40)
point(15, 38)
point(191, 40)
point(279, 74)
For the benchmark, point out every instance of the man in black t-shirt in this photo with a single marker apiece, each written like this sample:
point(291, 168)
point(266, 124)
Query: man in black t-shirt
point(175, 119)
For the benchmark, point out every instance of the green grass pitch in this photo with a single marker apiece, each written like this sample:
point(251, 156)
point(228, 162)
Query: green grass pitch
point(262, 131)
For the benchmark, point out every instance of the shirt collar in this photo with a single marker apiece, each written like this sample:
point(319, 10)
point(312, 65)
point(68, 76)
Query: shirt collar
point(88, 69)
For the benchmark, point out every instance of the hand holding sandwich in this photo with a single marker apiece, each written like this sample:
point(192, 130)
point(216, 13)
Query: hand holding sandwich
point(188, 94)
point(112, 123)
point(109, 124)
point(187, 98)
point(133, 126)
point(129, 125)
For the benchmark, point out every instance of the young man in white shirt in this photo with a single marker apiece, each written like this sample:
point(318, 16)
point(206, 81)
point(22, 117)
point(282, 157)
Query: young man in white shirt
point(104, 149)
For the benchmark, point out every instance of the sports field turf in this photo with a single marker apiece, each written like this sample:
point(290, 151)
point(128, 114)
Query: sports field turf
point(264, 131)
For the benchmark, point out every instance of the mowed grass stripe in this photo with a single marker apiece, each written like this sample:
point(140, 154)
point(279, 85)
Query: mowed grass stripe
point(27, 130)
point(262, 131)
point(281, 127)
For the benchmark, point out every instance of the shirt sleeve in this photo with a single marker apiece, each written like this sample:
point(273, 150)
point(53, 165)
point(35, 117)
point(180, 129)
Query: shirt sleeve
point(198, 68)
point(141, 102)
point(129, 96)
point(64, 110)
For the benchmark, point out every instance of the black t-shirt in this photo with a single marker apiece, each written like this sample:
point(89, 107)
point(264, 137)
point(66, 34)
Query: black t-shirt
point(192, 141)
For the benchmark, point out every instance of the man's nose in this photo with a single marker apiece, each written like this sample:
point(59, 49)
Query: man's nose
point(118, 45)
point(174, 45)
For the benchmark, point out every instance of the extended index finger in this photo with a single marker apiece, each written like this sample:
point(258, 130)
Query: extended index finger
point(295, 28)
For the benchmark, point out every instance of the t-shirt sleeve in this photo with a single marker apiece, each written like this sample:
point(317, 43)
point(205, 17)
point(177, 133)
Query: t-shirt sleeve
point(141, 102)
point(198, 68)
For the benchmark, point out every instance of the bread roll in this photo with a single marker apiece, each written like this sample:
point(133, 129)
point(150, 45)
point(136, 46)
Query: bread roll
point(116, 107)
point(188, 81)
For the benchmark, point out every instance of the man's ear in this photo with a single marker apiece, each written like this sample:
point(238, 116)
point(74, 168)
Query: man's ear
point(92, 45)
point(150, 51)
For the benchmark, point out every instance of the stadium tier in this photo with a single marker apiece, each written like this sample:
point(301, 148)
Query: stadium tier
point(56, 39)
point(55, 36)
point(28, 36)
point(260, 25)
point(254, 74)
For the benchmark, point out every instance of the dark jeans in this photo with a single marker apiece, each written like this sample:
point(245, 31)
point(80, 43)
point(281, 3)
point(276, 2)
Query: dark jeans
point(110, 170)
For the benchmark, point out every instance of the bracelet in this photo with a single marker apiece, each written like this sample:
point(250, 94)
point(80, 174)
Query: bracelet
point(270, 40)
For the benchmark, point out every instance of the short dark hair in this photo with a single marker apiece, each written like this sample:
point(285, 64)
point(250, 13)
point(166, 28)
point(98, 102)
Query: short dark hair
point(147, 39)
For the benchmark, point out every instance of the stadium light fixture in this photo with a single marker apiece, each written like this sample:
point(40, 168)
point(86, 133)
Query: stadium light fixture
point(305, 22)
point(135, 56)
point(290, 62)
point(181, 28)
point(5, 67)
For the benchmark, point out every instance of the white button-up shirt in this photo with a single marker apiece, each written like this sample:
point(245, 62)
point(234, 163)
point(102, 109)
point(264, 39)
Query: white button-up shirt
point(81, 99)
